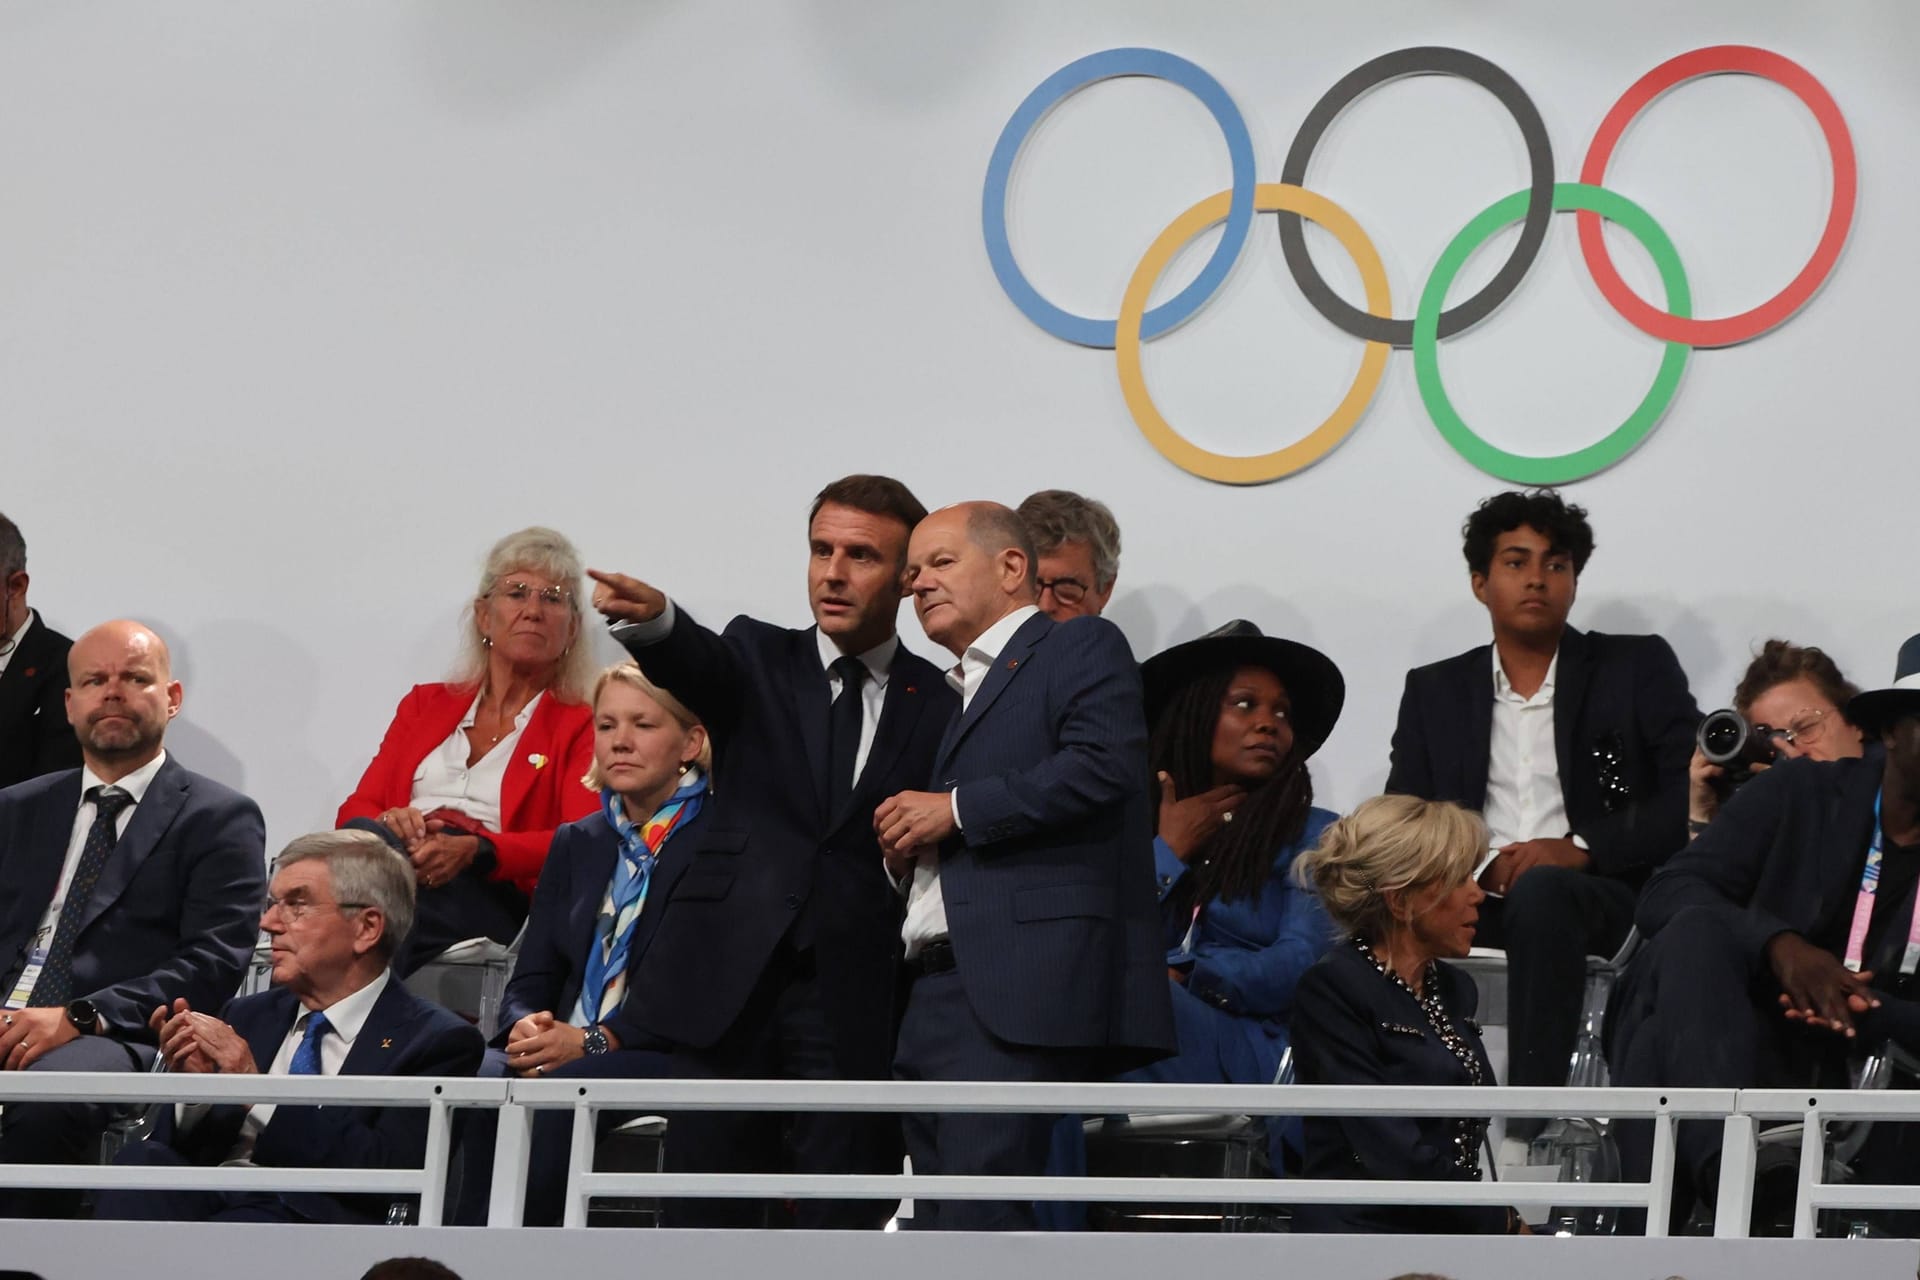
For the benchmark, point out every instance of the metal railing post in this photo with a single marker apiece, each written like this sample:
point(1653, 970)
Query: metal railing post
point(1733, 1210)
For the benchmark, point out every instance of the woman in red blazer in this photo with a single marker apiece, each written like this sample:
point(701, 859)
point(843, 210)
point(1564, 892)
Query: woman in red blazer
point(475, 774)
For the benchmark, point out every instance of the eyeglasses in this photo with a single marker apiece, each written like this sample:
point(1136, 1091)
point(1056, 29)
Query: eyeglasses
point(521, 592)
point(297, 908)
point(1803, 730)
point(1065, 590)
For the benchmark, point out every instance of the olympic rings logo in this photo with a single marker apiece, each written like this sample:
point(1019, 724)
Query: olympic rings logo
point(1676, 326)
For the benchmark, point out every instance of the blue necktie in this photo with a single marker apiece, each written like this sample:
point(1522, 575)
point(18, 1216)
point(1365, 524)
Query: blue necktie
point(55, 986)
point(306, 1059)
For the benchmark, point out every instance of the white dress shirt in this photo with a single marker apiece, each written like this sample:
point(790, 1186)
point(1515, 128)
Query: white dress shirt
point(443, 780)
point(9, 645)
point(345, 1018)
point(926, 906)
point(134, 784)
point(1524, 798)
point(873, 693)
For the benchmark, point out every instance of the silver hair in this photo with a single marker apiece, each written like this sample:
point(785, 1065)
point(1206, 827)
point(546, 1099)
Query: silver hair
point(549, 554)
point(1055, 516)
point(365, 869)
point(13, 548)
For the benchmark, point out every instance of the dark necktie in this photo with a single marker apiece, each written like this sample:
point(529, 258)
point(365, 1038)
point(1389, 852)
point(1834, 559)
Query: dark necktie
point(55, 985)
point(843, 727)
point(306, 1058)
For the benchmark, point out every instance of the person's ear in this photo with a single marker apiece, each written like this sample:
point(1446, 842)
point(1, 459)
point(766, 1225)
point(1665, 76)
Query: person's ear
point(371, 926)
point(1015, 571)
point(697, 742)
point(1478, 581)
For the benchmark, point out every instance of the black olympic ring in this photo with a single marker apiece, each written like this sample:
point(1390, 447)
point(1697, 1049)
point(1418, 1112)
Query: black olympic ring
point(1426, 60)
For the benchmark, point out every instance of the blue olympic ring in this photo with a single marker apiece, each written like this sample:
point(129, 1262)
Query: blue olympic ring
point(1070, 79)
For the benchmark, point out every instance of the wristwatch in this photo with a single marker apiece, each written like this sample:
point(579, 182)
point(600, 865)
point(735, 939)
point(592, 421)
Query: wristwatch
point(594, 1042)
point(84, 1017)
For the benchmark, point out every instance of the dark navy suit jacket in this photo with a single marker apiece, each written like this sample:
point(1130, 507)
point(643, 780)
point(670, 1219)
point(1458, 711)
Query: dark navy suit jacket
point(1049, 887)
point(1351, 1026)
point(1623, 725)
point(566, 909)
point(175, 911)
point(402, 1036)
point(35, 737)
point(808, 871)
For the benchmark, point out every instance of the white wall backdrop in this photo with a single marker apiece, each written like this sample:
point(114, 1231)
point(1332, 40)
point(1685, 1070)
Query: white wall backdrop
point(303, 305)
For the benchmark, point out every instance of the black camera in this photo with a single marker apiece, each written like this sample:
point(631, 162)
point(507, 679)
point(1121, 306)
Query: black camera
point(1728, 740)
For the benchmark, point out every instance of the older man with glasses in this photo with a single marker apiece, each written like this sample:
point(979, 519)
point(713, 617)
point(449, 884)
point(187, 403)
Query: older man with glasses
point(339, 903)
point(1078, 542)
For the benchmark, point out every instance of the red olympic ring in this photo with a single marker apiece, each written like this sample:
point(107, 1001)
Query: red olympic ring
point(1716, 60)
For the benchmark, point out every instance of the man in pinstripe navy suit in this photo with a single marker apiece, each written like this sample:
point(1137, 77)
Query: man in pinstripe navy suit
point(1028, 868)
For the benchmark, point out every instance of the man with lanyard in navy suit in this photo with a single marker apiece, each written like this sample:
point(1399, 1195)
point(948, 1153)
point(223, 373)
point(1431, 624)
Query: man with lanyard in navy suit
point(1032, 916)
point(124, 885)
point(1784, 937)
point(339, 904)
point(1572, 745)
point(781, 958)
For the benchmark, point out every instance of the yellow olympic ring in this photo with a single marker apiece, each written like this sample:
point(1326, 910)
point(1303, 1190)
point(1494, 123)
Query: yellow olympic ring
point(1269, 197)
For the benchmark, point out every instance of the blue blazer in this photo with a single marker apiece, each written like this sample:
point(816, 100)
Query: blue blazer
point(1049, 884)
point(1248, 955)
point(566, 908)
point(403, 1036)
point(806, 870)
point(1623, 725)
point(1351, 1026)
point(175, 911)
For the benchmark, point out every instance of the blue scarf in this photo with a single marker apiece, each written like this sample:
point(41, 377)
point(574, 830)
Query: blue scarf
point(605, 982)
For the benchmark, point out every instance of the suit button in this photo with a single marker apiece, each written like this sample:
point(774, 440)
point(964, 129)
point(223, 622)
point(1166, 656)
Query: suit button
point(793, 902)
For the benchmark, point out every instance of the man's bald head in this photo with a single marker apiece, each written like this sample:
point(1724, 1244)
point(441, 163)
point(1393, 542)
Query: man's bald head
point(120, 695)
point(123, 635)
point(968, 565)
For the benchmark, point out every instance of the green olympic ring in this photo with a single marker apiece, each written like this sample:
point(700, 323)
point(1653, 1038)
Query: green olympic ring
point(1617, 444)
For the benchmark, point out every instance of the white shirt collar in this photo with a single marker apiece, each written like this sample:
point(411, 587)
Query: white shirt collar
point(519, 721)
point(348, 1014)
point(987, 646)
point(1503, 688)
point(20, 631)
point(134, 784)
point(878, 660)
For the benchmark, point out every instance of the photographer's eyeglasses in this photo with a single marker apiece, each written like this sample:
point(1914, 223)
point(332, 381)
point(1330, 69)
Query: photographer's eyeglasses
point(1065, 590)
point(521, 592)
point(296, 908)
point(1803, 731)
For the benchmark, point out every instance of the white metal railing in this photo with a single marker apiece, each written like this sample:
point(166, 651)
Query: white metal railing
point(515, 1102)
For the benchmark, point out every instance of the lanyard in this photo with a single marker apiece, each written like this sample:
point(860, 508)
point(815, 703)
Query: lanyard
point(1863, 907)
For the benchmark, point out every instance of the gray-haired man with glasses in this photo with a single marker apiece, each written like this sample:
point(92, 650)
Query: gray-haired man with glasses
point(1078, 542)
point(339, 903)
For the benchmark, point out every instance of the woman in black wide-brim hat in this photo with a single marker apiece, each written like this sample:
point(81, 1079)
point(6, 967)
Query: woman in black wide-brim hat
point(1235, 715)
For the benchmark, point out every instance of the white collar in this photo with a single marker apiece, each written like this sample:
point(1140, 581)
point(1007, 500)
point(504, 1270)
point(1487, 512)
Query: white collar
point(878, 660)
point(134, 784)
point(987, 645)
point(349, 1013)
point(1503, 687)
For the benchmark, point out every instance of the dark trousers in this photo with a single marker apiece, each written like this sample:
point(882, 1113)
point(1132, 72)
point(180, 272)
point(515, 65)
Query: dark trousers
point(1695, 1011)
point(1550, 922)
point(942, 1039)
point(471, 905)
point(194, 1206)
point(62, 1132)
point(785, 1033)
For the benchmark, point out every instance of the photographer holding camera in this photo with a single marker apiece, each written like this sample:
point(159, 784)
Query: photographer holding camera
point(1788, 705)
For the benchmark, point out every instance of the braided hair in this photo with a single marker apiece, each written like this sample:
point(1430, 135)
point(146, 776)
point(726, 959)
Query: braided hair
point(1237, 860)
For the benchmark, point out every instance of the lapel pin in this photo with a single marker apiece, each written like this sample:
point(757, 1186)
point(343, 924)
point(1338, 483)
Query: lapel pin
point(386, 1044)
point(537, 760)
point(910, 688)
point(34, 671)
point(1012, 663)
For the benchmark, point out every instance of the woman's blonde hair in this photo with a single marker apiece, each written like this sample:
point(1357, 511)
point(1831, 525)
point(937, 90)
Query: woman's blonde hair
point(629, 673)
point(1389, 845)
point(549, 554)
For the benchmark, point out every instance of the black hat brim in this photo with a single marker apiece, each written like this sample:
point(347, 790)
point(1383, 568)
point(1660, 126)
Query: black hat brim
point(1315, 688)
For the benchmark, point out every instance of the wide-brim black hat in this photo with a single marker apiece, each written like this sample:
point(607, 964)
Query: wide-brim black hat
point(1875, 708)
point(1315, 687)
